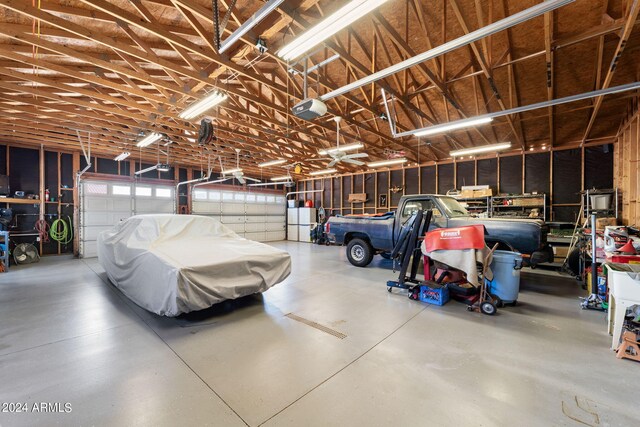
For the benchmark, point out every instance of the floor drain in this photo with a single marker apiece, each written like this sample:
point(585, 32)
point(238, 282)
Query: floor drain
point(316, 325)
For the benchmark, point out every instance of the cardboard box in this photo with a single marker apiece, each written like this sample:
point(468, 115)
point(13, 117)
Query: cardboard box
point(467, 194)
point(357, 197)
point(485, 192)
point(601, 223)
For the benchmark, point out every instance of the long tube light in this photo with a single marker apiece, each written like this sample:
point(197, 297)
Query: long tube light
point(149, 139)
point(249, 24)
point(160, 167)
point(120, 157)
point(459, 124)
point(323, 172)
point(280, 178)
point(387, 163)
point(226, 172)
point(315, 67)
point(197, 108)
point(348, 147)
point(544, 104)
point(481, 149)
point(272, 163)
point(340, 19)
point(503, 24)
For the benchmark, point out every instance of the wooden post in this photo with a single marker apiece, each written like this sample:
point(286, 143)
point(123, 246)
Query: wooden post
point(43, 203)
point(76, 205)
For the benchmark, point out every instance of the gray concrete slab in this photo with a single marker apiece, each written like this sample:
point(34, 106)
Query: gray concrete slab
point(71, 336)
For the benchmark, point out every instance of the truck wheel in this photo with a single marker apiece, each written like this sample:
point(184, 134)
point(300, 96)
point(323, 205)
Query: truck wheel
point(359, 252)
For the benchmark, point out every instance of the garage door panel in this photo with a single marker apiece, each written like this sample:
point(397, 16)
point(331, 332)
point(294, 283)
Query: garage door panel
point(91, 233)
point(256, 209)
point(206, 207)
point(94, 218)
point(90, 249)
point(238, 228)
point(257, 237)
point(232, 219)
point(101, 209)
point(153, 206)
point(252, 227)
point(233, 208)
point(273, 226)
point(275, 236)
point(280, 219)
point(275, 210)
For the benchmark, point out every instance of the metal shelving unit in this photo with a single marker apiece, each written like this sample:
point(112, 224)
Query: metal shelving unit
point(477, 205)
point(515, 206)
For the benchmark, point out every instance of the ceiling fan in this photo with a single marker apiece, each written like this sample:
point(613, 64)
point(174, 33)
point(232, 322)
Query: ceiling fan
point(339, 154)
point(234, 173)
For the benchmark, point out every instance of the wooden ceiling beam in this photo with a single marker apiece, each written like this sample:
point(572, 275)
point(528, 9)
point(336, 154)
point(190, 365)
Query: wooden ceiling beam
point(487, 72)
point(630, 21)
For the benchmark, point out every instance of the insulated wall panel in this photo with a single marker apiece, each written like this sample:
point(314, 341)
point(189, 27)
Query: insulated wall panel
point(466, 174)
point(445, 178)
point(488, 173)
point(537, 174)
point(428, 179)
point(511, 174)
point(566, 176)
point(598, 167)
point(411, 181)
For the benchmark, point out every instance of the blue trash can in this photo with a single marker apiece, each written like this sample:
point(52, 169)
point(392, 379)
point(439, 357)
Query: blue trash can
point(506, 267)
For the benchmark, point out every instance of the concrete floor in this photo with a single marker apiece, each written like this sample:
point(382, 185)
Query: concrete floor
point(68, 336)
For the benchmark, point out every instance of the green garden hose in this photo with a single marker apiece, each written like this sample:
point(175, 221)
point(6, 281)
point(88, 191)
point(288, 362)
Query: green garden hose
point(61, 231)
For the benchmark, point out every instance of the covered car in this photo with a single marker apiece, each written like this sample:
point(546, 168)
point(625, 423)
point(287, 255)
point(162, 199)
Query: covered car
point(173, 264)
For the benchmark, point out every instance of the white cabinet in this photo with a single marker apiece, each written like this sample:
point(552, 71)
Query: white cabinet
point(292, 233)
point(306, 216)
point(304, 233)
point(292, 216)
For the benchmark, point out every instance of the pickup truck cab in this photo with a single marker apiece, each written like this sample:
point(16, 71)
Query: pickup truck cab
point(366, 236)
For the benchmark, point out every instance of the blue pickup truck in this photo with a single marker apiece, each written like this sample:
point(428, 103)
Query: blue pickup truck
point(366, 236)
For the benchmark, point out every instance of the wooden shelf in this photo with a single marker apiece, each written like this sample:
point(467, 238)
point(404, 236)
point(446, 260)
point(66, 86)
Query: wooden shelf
point(19, 201)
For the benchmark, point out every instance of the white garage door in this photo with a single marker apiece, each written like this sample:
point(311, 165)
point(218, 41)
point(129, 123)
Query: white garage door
point(255, 216)
point(105, 203)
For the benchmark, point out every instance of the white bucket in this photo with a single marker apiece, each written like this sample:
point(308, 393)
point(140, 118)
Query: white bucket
point(600, 201)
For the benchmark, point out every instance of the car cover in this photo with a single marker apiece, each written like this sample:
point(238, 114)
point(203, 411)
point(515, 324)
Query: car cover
point(173, 264)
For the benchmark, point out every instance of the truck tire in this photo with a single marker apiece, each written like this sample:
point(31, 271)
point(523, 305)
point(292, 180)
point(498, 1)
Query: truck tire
point(359, 252)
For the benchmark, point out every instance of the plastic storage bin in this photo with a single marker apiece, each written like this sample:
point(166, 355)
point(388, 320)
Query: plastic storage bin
point(506, 267)
point(434, 294)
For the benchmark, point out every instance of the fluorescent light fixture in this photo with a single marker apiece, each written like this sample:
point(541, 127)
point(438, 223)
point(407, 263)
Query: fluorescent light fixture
point(197, 108)
point(323, 172)
point(280, 178)
point(517, 110)
point(231, 171)
point(149, 139)
point(315, 67)
point(387, 162)
point(163, 167)
point(249, 24)
point(481, 149)
point(120, 157)
point(503, 24)
point(348, 147)
point(272, 163)
point(340, 19)
point(458, 124)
